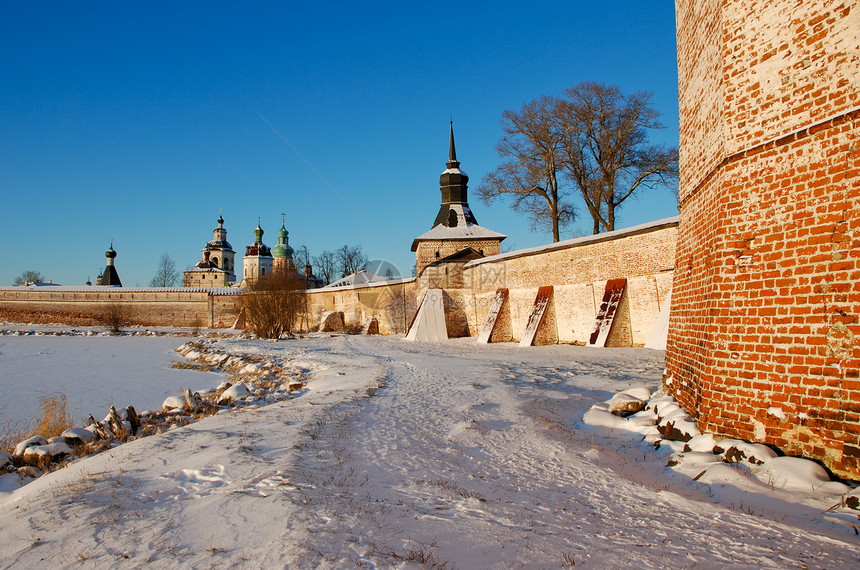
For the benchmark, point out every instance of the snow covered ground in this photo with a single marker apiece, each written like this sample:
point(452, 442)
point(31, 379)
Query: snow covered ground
point(446, 455)
point(93, 373)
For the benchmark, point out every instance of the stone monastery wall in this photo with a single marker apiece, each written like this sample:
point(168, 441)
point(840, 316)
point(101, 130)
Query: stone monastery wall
point(148, 306)
point(764, 326)
point(392, 305)
point(577, 269)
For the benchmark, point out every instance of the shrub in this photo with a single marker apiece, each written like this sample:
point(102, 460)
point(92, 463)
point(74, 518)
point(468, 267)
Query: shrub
point(273, 303)
point(115, 317)
point(196, 325)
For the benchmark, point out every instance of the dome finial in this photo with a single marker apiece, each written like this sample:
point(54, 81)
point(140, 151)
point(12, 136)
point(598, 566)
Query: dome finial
point(258, 232)
point(452, 152)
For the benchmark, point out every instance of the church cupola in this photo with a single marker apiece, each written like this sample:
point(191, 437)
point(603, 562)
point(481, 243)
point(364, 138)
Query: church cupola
point(110, 275)
point(258, 258)
point(453, 183)
point(220, 251)
point(282, 252)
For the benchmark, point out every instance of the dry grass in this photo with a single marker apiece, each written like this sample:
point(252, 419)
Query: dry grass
point(192, 366)
point(53, 421)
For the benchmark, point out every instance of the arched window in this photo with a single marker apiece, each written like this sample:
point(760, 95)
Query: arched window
point(215, 261)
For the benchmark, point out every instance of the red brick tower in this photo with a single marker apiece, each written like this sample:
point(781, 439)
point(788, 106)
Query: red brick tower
point(764, 333)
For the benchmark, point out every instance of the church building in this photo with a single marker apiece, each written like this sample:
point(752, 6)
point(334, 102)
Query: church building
point(216, 267)
point(258, 261)
point(455, 231)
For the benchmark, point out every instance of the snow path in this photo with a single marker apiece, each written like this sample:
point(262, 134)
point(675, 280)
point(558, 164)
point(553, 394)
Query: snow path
point(405, 451)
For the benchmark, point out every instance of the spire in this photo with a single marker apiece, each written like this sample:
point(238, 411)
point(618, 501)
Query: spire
point(258, 232)
point(452, 152)
point(453, 183)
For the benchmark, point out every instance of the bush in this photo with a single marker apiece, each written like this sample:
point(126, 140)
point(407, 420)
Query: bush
point(196, 325)
point(273, 303)
point(115, 317)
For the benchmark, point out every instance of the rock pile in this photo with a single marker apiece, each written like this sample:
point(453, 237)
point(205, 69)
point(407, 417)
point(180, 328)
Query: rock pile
point(254, 381)
point(710, 459)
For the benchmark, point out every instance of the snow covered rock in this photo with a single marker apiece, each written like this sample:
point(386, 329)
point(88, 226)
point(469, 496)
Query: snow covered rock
point(736, 451)
point(78, 436)
point(5, 460)
point(27, 443)
point(676, 424)
point(624, 404)
point(233, 393)
point(662, 405)
point(693, 463)
point(701, 443)
point(173, 403)
point(251, 368)
point(29, 471)
point(42, 454)
point(793, 473)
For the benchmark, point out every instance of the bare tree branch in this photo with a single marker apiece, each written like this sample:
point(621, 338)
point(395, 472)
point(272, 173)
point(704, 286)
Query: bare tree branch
point(606, 150)
point(29, 276)
point(166, 275)
point(325, 265)
point(351, 258)
point(531, 153)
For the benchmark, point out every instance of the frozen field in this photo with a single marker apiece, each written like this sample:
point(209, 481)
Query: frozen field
point(409, 455)
point(93, 372)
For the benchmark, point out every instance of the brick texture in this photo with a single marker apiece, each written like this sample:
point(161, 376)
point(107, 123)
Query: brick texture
point(766, 300)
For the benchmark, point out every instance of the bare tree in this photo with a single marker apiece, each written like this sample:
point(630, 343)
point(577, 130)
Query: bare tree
point(273, 304)
point(351, 259)
point(532, 162)
point(302, 257)
point(606, 150)
point(29, 276)
point(166, 275)
point(324, 265)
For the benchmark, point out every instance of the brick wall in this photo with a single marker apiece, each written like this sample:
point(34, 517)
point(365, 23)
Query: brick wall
point(147, 306)
point(429, 251)
point(764, 325)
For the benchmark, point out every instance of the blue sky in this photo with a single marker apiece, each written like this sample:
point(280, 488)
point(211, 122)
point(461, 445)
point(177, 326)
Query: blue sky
point(140, 121)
